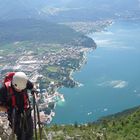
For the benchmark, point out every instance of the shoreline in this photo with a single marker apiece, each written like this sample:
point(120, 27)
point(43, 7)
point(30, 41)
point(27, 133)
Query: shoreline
point(112, 108)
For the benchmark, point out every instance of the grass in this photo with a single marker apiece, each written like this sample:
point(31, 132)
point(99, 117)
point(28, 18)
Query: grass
point(52, 69)
point(121, 126)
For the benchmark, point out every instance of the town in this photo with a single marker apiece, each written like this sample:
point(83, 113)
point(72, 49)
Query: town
point(89, 27)
point(44, 67)
point(49, 67)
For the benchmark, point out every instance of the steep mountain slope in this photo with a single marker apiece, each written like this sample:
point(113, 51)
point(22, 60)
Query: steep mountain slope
point(121, 126)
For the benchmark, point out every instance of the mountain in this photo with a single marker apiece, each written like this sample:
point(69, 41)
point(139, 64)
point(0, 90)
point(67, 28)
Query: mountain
point(117, 4)
point(83, 10)
point(66, 10)
point(25, 9)
point(41, 31)
point(121, 126)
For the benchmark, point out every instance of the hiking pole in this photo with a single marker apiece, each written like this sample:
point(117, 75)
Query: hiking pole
point(36, 111)
point(13, 124)
point(32, 92)
point(23, 123)
point(39, 122)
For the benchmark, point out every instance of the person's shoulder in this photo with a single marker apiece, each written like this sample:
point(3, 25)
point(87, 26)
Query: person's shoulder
point(3, 89)
point(3, 95)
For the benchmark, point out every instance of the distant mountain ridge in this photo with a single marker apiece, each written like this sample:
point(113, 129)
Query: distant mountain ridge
point(65, 9)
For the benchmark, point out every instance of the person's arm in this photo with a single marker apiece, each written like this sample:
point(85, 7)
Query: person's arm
point(3, 109)
point(3, 94)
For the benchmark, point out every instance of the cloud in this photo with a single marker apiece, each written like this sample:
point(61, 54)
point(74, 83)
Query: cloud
point(54, 11)
point(103, 42)
point(114, 84)
point(111, 44)
point(107, 33)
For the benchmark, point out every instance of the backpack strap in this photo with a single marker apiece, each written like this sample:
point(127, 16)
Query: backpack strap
point(26, 101)
point(11, 93)
point(13, 97)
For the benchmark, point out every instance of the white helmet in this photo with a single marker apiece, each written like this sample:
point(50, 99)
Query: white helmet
point(20, 80)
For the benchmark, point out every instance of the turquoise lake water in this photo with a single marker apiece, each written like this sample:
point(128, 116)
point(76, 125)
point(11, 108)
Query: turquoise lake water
point(111, 77)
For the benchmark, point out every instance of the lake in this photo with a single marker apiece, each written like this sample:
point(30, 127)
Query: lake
point(110, 79)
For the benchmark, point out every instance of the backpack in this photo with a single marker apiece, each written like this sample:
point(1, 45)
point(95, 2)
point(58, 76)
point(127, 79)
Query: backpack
point(8, 78)
point(7, 82)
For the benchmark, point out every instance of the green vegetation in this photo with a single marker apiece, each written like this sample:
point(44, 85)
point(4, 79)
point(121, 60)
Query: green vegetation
point(40, 31)
point(121, 126)
point(52, 68)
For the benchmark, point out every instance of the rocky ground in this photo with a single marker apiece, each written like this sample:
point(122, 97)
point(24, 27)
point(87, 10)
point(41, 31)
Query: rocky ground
point(5, 130)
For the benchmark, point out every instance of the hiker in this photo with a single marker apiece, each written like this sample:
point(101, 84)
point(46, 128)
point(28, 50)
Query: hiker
point(15, 101)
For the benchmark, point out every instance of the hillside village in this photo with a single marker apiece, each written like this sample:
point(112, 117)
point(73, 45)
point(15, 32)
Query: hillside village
point(55, 65)
point(89, 27)
point(49, 70)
